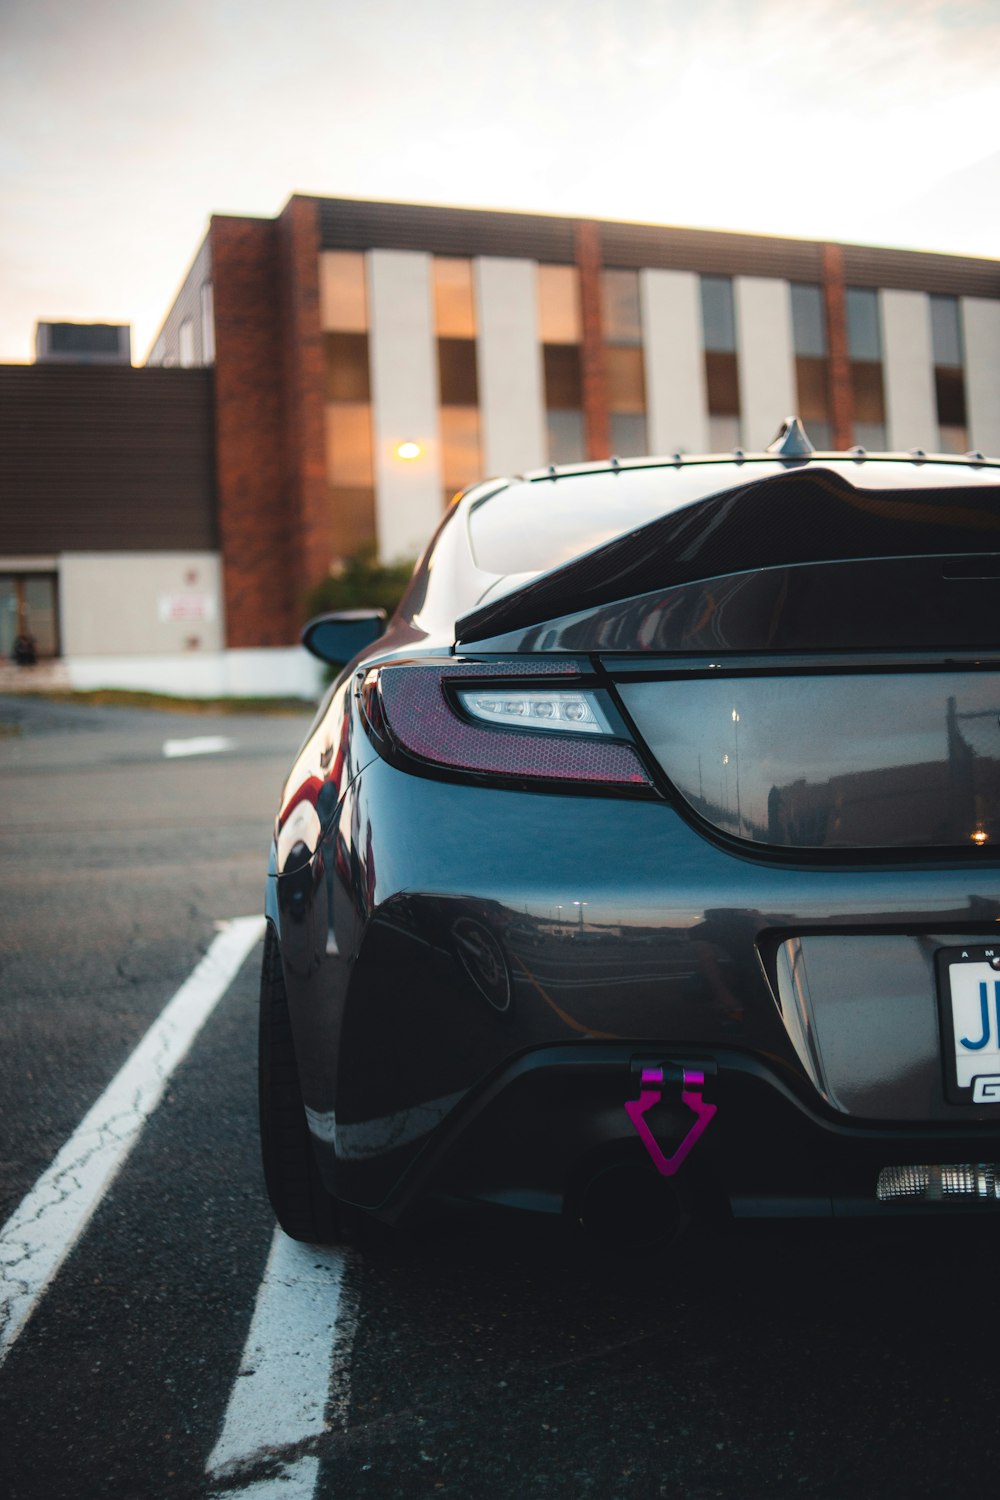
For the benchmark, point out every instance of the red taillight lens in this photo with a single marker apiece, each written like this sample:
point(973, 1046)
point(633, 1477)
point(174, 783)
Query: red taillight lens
point(415, 707)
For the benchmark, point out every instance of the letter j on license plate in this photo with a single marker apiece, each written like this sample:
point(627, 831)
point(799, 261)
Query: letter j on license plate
point(969, 987)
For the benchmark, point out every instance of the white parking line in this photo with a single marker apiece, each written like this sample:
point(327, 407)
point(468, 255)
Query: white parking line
point(41, 1232)
point(203, 744)
point(293, 1375)
point(296, 1481)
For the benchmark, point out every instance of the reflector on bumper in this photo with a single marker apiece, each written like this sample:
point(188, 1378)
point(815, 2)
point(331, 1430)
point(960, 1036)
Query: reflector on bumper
point(936, 1183)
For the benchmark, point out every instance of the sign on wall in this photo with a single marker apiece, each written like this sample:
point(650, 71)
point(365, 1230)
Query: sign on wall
point(186, 608)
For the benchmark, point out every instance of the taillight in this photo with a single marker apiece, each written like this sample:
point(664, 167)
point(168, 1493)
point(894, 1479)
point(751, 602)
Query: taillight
point(525, 721)
point(549, 709)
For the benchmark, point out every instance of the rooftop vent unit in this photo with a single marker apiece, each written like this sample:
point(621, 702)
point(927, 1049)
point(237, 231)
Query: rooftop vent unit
point(83, 344)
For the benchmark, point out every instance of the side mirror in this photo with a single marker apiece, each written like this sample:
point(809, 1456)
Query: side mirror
point(337, 638)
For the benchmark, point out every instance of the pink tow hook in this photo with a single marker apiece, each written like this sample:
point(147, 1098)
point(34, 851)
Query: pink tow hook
point(691, 1096)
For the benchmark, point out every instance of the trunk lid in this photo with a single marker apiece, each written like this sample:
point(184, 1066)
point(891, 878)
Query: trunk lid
point(829, 757)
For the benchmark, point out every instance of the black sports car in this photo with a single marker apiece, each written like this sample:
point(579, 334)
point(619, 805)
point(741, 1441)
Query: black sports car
point(647, 862)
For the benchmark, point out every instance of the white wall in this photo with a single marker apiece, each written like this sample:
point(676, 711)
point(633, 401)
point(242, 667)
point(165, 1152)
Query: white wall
point(765, 356)
point(676, 400)
point(908, 371)
point(981, 335)
point(138, 603)
point(409, 494)
point(129, 620)
point(511, 394)
point(286, 672)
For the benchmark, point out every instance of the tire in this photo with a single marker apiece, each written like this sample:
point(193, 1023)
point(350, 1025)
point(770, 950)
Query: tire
point(302, 1206)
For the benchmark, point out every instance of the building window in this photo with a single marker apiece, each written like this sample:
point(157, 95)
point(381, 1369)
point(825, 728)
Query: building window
point(454, 300)
point(458, 375)
point(811, 371)
point(949, 375)
point(347, 372)
point(349, 449)
point(563, 375)
point(185, 344)
point(207, 324)
point(864, 351)
point(28, 613)
point(560, 330)
point(349, 444)
point(461, 461)
point(722, 382)
point(560, 320)
point(864, 327)
point(342, 291)
point(622, 328)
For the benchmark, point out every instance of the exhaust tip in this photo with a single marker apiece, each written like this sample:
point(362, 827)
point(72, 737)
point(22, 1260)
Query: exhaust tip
point(936, 1184)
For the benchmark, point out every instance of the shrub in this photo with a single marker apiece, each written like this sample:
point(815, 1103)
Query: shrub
point(362, 583)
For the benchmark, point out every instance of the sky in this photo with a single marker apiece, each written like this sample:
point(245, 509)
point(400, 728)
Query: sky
point(124, 124)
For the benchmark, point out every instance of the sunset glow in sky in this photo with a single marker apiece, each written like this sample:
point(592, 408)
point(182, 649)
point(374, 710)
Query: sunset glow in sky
point(123, 126)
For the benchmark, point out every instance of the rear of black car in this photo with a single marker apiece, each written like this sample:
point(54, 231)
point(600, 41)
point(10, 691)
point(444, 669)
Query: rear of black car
point(680, 868)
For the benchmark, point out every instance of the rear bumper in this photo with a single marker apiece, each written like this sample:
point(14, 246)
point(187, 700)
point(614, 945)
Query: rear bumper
point(473, 973)
point(536, 1135)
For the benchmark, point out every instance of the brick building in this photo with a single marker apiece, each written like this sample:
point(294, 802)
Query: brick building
point(371, 358)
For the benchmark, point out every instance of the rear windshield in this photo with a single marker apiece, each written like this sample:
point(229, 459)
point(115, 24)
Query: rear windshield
point(534, 526)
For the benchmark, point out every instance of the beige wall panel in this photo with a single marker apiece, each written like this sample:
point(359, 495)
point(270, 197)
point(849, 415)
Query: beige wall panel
point(343, 301)
point(403, 354)
point(512, 401)
point(676, 403)
point(765, 356)
point(908, 371)
point(140, 603)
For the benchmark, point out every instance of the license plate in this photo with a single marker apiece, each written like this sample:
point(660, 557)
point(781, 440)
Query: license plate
point(969, 982)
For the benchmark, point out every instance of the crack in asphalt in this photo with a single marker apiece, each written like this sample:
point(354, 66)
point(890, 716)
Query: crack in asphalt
point(46, 1225)
point(18, 1245)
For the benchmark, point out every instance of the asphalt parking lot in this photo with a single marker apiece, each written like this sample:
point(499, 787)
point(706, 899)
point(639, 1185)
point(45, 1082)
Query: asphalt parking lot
point(160, 1339)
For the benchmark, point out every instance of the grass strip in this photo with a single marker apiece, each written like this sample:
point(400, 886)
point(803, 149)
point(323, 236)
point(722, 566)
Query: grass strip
point(168, 703)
